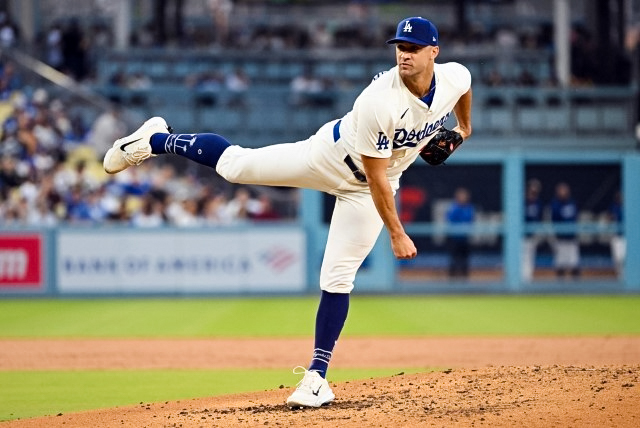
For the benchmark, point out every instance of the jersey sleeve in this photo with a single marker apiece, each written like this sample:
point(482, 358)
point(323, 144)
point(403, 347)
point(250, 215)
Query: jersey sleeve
point(459, 76)
point(374, 130)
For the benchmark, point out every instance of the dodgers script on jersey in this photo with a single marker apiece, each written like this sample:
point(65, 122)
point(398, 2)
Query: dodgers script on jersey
point(388, 121)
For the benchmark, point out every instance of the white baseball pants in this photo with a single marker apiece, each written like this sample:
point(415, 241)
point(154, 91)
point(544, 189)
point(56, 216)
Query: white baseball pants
point(316, 163)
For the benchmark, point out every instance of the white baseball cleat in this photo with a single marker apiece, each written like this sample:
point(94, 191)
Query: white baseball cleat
point(312, 391)
point(135, 148)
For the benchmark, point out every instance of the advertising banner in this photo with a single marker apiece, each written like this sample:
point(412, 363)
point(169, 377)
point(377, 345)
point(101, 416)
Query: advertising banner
point(168, 261)
point(21, 262)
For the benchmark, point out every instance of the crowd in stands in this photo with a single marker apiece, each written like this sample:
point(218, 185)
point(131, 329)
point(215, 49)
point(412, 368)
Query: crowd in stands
point(50, 170)
point(51, 174)
point(74, 48)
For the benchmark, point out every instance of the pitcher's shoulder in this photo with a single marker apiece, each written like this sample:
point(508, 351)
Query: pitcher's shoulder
point(457, 74)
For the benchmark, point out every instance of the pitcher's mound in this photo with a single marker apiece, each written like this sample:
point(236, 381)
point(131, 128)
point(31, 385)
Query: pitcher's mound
point(548, 396)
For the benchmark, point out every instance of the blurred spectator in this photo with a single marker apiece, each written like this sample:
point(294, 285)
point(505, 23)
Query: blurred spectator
point(242, 205)
point(130, 89)
point(74, 50)
point(25, 135)
point(494, 78)
point(237, 84)
point(533, 209)
point(107, 128)
point(221, 13)
point(138, 85)
point(214, 211)
point(162, 33)
point(461, 212)
point(138, 82)
point(10, 80)
point(51, 198)
point(208, 86)
point(307, 90)
point(9, 33)
point(42, 215)
point(138, 182)
point(77, 206)
point(321, 37)
point(100, 40)
point(506, 39)
point(53, 47)
point(28, 191)
point(118, 79)
point(9, 177)
point(564, 211)
point(526, 78)
point(304, 87)
point(48, 137)
point(72, 129)
point(83, 177)
point(583, 57)
point(618, 243)
point(143, 36)
point(265, 210)
point(151, 214)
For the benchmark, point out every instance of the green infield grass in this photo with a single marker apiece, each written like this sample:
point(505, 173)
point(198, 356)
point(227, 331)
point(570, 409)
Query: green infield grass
point(33, 393)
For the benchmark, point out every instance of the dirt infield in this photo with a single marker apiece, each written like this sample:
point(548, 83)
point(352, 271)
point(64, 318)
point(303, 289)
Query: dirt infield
point(533, 382)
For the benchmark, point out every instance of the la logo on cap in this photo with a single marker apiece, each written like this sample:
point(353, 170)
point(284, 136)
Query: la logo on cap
point(407, 27)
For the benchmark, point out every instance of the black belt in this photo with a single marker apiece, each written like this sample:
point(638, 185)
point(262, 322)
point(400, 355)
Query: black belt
point(359, 175)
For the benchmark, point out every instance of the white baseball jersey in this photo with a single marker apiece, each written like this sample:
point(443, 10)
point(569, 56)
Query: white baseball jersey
point(387, 121)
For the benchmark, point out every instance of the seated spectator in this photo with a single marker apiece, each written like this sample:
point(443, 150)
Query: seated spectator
point(10, 80)
point(150, 215)
point(237, 84)
point(265, 210)
point(139, 85)
point(42, 215)
point(214, 211)
point(25, 134)
point(9, 177)
point(308, 90)
point(77, 207)
point(321, 37)
point(9, 33)
point(208, 87)
point(242, 206)
point(53, 46)
point(108, 127)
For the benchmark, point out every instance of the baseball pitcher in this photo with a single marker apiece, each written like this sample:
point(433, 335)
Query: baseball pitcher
point(358, 158)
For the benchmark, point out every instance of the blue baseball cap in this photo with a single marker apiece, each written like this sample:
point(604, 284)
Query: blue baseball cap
point(416, 30)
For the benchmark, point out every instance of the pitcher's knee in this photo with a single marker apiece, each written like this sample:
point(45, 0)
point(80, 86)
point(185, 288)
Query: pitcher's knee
point(336, 287)
point(230, 167)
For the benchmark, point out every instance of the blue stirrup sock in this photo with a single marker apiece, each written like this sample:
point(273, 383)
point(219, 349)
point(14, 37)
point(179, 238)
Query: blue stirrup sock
point(205, 149)
point(331, 316)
